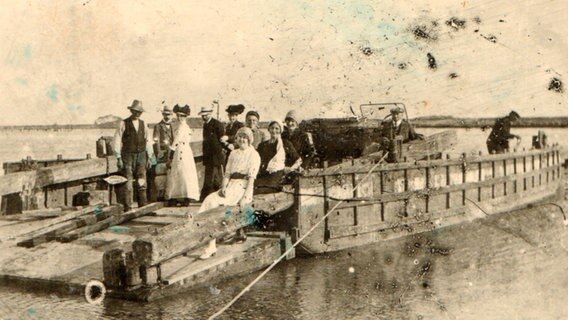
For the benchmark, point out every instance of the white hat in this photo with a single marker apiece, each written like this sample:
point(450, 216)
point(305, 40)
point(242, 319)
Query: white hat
point(205, 110)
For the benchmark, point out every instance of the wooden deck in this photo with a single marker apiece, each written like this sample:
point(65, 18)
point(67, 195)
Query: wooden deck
point(66, 267)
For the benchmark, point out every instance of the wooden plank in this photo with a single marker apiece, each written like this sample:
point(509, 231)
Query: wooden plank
point(399, 196)
point(184, 236)
point(51, 233)
point(364, 166)
point(112, 221)
point(53, 223)
point(431, 145)
point(15, 182)
point(225, 256)
point(157, 220)
point(36, 214)
point(345, 231)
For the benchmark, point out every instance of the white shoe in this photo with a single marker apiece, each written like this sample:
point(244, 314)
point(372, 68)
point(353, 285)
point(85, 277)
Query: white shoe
point(210, 251)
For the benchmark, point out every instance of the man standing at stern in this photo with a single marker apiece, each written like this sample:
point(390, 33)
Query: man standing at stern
point(498, 140)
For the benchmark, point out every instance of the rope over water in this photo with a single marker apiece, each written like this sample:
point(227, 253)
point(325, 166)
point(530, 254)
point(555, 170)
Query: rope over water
point(247, 288)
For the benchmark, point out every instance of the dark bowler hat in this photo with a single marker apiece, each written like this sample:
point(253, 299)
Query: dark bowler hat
point(235, 108)
point(185, 110)
point(136, 106)
point(253, 113)
point(514, 114)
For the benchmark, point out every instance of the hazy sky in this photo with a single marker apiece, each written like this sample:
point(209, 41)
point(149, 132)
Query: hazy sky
point(73, 61)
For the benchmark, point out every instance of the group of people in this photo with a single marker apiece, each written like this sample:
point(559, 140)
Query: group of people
point(239, 158)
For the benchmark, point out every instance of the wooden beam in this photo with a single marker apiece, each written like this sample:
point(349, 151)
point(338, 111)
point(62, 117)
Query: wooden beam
point(53, 223)
point(399, 196)
point(178, 238)
point(109, 222)
point(50, 233)
point(346, 231)
point(363, 166)
point(431, 145)
point(15, 182)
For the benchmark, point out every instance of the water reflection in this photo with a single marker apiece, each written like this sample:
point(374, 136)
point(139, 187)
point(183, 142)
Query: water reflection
point(504, 267)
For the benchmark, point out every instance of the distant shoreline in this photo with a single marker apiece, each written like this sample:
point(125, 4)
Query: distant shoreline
point(451, 122)
point(421, 122)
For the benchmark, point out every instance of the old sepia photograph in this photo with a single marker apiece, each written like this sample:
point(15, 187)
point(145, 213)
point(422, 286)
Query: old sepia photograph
point(322, 159)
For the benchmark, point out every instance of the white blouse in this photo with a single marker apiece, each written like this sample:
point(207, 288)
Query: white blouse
point(246, 162)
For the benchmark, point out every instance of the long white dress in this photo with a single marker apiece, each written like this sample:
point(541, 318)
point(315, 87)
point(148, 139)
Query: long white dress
point(244, 162)
point(182, 176)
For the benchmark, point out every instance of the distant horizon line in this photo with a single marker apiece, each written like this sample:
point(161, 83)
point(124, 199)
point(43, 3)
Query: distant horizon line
point(424, 121)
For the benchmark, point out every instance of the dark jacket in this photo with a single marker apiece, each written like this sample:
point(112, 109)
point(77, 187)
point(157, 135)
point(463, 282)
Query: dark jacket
point(212, 148)
point(132, 140)
point(231, 130)
point(501, 132)
point(303, 143)
point(163, 138)
point(405, 130)
point(267, 151)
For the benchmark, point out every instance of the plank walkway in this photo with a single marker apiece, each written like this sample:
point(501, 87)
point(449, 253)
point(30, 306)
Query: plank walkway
point(71, 265)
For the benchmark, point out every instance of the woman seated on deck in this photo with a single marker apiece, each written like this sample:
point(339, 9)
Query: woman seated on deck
point(238, 182)
point(278, 157)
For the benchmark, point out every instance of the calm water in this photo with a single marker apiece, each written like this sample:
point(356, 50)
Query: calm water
point(508, 267)
point(513, 266)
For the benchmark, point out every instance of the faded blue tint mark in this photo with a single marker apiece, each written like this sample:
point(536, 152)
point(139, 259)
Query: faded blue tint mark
point(228, 213)
point(32, 312)
point(21, 81)
point(118, 229)
point(250, 217)
point(98, 211)
point(388, 29)
point(27, 52)
point(74, 108)
point(52, 93)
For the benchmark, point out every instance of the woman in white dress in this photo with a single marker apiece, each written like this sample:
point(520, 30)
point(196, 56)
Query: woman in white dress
point(182, 182)
point(238, 183)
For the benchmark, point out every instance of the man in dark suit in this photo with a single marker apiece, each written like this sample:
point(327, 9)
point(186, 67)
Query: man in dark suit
point(395, 128)
point(130, 145)
point(213, 155)
point(498, 140)
point(398, 126)
point(163, 136)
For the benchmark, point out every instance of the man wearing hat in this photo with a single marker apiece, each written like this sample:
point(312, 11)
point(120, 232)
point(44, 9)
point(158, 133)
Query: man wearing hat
point(130, 147)
point(396, 127)
point(498, 140)
point(252, 121)
point(163, 137)
point(301, 140)
point(213, 155)
point(228, 140)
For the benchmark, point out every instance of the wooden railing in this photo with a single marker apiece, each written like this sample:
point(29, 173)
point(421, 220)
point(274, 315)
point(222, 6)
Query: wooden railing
point(406, 193)
point(53, 183)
